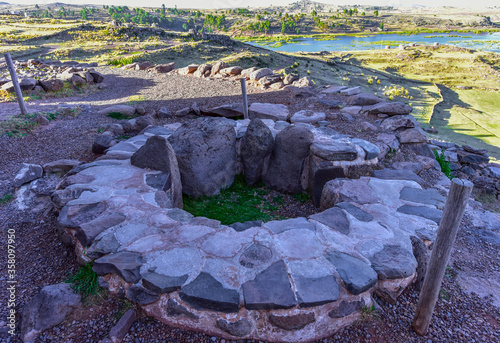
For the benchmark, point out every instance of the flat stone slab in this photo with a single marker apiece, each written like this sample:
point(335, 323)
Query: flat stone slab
point(27, 173)
point(356, 274)
point(207, 293)
point(334, 151)
point(238, 328)
point(351, 91)
point(159, 283)
point(346, 308)
point(124, 264)
point(371, 150)
point(270, 289)
point(280, 226)
point(316, 291)
point(356, 212)
point(294, 322)
point(429, 196)
point(334, 218)
point(391, 174)
point(255, 255)
point(422, 211)
point(393, 262)
point(268, 111)
point(306, 116)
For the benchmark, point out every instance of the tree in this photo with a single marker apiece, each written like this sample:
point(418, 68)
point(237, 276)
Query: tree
point(375, 13)
point(381, 26)
point(37, 7)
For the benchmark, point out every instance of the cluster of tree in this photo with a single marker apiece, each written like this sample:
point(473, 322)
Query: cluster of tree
point(213, 22)
point(86, 12)
point(289, 23)
point(262, 26)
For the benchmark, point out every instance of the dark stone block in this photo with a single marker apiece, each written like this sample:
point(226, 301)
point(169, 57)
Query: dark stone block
point(393, 262)
point(335, 218)
point(319, 174)
point(316, 291)
point(106, 245)
point(429, 196)
point(246, 225)
point(158, 283)
point(140, 295)
point(124, 264)
point(294, 322)
point(270, 289)
point(422, 211)
point(239, 328)
point(206, 292)
point(356, 212)
point(75, 215)
point(356, 274)
point(159, 181)
point(346, 308)
point(391, 174)
point(174, 310)
point(335, 151)
point(88, 231)
point(153, 155)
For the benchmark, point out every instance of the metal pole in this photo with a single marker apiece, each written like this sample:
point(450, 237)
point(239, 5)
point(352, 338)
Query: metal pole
point(244, 92)
point(17, 89)
point(454, 209)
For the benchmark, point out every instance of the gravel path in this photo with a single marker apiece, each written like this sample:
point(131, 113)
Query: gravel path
point(42, 260)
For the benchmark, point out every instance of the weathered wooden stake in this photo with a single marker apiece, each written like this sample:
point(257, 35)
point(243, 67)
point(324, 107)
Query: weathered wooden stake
point(244, 92)
point(17, 89)
point(454, 209)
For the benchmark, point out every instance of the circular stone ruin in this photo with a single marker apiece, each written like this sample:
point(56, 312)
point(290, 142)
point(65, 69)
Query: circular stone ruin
point(288, 280)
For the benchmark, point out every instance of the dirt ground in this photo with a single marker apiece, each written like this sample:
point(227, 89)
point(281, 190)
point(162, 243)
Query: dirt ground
point(465, 312)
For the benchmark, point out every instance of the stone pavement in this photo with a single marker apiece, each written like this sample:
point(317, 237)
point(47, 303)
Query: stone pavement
point(289, 280)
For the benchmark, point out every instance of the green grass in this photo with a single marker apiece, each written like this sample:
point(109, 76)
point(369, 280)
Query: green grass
point(118, 115)
point(119, 62)
point(238, 203)
point(84, 281)
point(6, 199)
point(18, 125)
point(445, 165)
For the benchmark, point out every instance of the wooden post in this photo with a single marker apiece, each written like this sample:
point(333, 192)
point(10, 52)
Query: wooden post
point(17, 89)
point(454, 209)
point(245, 100)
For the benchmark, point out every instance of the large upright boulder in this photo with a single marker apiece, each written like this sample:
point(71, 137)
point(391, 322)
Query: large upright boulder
point(47, 309)
point(287, 159)
point(206, 153)
point(256, 146)
point(158, 154)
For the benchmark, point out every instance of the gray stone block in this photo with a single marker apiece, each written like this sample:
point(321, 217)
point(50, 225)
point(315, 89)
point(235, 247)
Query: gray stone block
point(356, 212)
point(270, 289)
point(293, 322)
point(334, 218)
point(158, 283)
point(316, 291)
point(356, 274)
point(124, 264)
point(206, 292)
point(238, 328)
point(422, 211)
point(393, 262)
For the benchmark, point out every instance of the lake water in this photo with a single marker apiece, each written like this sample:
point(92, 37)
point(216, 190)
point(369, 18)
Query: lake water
point(479, 41)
